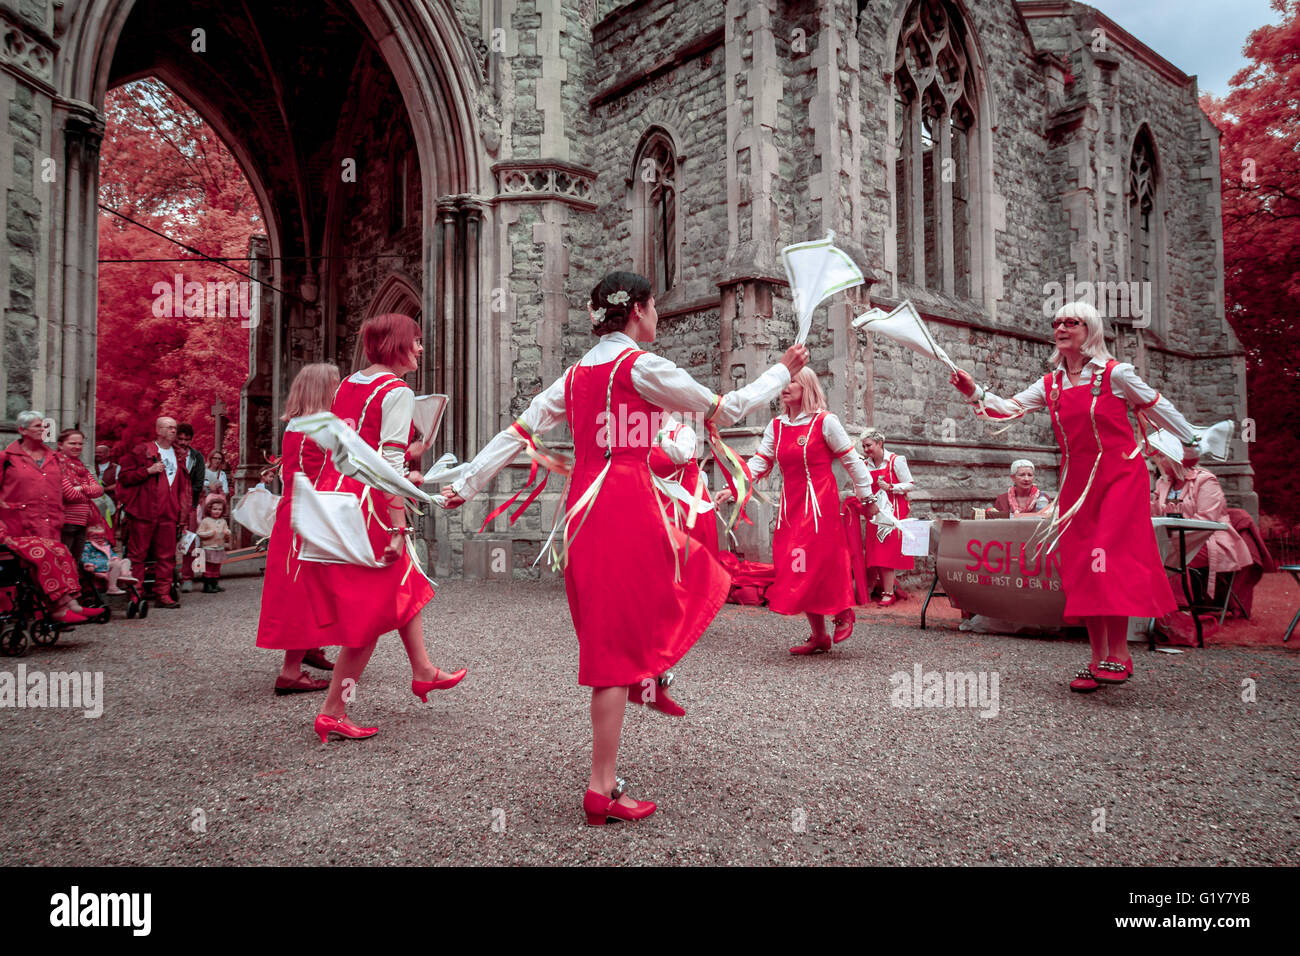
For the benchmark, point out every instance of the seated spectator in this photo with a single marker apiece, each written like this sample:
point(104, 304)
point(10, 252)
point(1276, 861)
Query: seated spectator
point(1185, 491)
point(1022, 499)
point(98, 558)
point(79, 490)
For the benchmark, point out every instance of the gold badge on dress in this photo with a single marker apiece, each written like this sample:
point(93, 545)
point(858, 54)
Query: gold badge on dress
point(803, 439)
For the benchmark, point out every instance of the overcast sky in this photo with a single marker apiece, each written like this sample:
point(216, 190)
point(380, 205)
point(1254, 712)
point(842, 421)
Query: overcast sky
point(1201, 37)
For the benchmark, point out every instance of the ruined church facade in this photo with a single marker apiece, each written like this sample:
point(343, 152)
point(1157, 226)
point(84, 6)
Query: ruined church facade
point(986, 160)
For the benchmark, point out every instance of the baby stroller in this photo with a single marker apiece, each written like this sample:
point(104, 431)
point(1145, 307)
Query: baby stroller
point(24, 609)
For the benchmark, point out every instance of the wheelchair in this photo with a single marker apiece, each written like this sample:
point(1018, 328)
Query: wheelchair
point(25, 610)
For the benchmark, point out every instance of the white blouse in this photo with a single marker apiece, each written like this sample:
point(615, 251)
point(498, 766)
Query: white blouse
point(1125, 384)
point(678, 440)
point(840, 444)
point(901, 472)
point(397, 408)
point(655, 379)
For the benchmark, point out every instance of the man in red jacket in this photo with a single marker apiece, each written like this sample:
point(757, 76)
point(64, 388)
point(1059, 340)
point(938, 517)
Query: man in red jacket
point(154, 489)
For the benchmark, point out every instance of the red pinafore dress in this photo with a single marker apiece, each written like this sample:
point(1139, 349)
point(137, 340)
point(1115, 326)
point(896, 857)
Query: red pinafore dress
point(706, 525)
point(289, 590)
point(809, 549)
point(888, 553)
point(639, 599)
point(1110, 562)
point(354, 605)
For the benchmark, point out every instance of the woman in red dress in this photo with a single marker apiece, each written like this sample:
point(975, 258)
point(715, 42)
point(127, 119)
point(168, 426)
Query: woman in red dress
point(288, 621)
point(672, 458)
point(1110, 562)
point(809, 549)
point(640, 592)
point(354, 605)
point(890, 474)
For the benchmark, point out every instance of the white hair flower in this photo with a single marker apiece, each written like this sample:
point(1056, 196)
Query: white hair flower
point(618, 298)
point(597, 315)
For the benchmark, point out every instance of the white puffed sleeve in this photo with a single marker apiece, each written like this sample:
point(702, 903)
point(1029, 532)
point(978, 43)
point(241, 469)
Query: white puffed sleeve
point(678, 441)
point(398, 407)
point(544, 413)
point(764, 460)
point(842, 446)
point(659, 381)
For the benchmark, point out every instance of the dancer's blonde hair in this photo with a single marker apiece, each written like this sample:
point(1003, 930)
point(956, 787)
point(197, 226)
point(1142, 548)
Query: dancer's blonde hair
point(814, 399)
point(312, 390)
point(1094, 346)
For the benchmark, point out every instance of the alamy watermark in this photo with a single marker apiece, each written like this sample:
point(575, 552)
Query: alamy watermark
point(79, 690)
point(206, 300)
point(1112, 300)
point(945, 689)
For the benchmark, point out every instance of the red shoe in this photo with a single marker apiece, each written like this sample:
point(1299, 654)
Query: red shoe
point(844, 625)
point(1111, 671)
point(326, 725)
point(421, 688)
point(67, 617)
point(659, 699)
point(888, 599)
point(816, 644)
point(1084, 682)
point(601, 809)
point(166, 602)
point(91, 613)
point(318, 660)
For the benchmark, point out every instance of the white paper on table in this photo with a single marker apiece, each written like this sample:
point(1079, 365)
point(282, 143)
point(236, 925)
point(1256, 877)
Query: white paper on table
point(817, 270)
point(904, 326)
point(331, 525)
point(916, 537)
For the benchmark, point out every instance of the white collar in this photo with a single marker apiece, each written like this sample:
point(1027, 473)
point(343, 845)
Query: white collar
point(619, 338)
point(801, 419)
point(1094, 360)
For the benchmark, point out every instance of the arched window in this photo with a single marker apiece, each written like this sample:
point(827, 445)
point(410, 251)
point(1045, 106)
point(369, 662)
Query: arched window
point(936, 140)
point(401, 191)
point(655, 251)
point(1143, 217)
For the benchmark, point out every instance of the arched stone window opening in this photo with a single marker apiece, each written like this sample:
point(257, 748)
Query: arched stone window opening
point(936, 109)
point(1145, 219)
point(656, 247)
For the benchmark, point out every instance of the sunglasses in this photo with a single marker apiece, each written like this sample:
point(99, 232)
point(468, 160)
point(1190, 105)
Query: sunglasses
point(1068, 323)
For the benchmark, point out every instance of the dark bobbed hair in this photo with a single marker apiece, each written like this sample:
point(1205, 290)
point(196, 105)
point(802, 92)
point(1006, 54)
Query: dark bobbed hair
point(186, 429)
point(617, 314)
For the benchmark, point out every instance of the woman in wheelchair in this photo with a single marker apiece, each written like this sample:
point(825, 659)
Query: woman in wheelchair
point(31, 519)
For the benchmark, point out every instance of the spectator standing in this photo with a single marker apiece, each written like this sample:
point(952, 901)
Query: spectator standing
point(195, 467)
point(79, 491)
point(157, 498)
point(106, 470)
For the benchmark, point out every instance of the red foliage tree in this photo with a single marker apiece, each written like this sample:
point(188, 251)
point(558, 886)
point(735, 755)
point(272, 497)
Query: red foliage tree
point(163, 167)
point(1260, 165)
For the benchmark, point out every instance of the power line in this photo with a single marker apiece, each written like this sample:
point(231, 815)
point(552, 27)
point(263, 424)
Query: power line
point(202, 255)
point(219, 259)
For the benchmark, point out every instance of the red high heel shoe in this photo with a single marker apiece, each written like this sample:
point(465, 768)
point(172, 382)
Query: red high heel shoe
point(659, 699)
point(601, 809)
point(816, 644)
point(421, 688)
point(844, 625)
point(326, 725)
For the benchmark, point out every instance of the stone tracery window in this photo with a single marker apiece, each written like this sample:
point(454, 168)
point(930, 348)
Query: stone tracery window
point(936, 140)
point(654, 212)
point(1142, 208)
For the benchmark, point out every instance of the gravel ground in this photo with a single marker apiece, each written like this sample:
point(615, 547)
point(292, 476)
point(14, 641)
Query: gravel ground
point(780, 760)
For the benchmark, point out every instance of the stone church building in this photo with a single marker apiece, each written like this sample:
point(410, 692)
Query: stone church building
point(480, 164)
